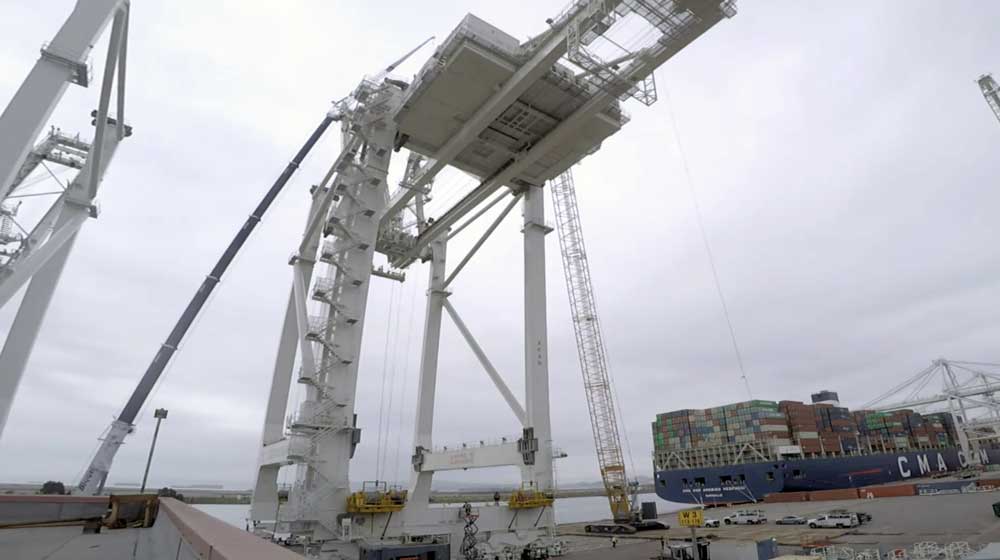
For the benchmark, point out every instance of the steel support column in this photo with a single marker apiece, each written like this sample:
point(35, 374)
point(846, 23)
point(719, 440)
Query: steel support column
point(536, 357)
point(265, 494)
point(420, 482)
point(969, 449)
point(44, 267)
point(28, 321)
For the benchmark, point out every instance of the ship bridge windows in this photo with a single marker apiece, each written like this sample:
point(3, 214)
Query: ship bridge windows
point(742, 477)
point(725, 479)
point(769, 475)
point(699, 480)
point(797, 473)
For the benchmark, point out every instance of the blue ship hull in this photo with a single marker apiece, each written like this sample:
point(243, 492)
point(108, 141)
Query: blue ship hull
point(750, 482)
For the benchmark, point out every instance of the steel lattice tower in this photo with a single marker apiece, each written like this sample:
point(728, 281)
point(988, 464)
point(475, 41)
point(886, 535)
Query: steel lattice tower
point(590, 345)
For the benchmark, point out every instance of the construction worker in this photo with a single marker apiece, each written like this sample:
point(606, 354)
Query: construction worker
point(614, 542)
point(496, 498)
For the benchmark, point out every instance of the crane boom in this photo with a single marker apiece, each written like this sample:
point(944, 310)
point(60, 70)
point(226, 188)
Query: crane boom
point(991, 92)
point(590, 347)
point(93, 478)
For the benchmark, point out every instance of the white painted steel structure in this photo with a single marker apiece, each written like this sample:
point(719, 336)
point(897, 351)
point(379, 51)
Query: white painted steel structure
point(514, 115)
point(37, 258)
point(965, 387)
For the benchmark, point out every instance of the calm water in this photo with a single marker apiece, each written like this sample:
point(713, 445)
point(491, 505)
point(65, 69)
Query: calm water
point(568, 510)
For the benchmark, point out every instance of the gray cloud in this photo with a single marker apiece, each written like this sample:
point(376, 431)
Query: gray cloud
point(844, 161)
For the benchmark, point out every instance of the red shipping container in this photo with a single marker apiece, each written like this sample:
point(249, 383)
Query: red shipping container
point(783, 497)
point(893, 491)
point(842, 494)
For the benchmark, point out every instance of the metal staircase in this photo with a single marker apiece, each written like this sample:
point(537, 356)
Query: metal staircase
point(323, 433)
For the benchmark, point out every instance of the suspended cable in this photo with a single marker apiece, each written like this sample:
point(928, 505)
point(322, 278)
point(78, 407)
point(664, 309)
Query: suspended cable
point(393, 366)
point(385, 365)
point(406, 377)
point(621, 414)
point(704, 239)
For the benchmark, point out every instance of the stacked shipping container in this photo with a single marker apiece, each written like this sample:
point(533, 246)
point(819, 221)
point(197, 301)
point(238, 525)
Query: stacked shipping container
point(801, 420)
point(817, 428)
point(940, 428)
point(743, 422)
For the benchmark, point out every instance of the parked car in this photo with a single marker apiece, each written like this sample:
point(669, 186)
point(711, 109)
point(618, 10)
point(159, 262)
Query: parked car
point(791, 520)
point(745, 517)
point(834, 520)
point(711, 522)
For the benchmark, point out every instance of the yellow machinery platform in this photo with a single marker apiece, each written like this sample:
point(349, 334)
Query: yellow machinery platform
point(376, 497)
point(528, 498)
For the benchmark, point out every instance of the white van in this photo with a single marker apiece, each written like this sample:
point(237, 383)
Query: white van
point(835, 520)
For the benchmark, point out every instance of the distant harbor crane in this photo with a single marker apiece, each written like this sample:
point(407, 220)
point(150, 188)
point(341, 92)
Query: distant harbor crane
point(991, 91)
point(36, 258)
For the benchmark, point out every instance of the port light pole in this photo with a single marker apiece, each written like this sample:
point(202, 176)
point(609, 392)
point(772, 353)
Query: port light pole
point(160, 414)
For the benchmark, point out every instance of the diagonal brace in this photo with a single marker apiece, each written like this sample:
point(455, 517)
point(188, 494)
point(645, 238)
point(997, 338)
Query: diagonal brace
point(490, 370)
point(479, 243)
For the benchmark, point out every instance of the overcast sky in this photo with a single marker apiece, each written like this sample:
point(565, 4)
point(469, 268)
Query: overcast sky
point(845, 162)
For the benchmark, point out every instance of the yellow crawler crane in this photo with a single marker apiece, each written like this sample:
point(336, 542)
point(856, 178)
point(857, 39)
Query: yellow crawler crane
point(594, 364)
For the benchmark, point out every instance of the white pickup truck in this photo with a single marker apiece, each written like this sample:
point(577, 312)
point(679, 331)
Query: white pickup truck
point(745, 517)
point(834, 520)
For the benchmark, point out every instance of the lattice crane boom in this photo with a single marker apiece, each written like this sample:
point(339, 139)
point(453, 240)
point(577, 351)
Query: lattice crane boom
point(991, 91)
point(590, 347)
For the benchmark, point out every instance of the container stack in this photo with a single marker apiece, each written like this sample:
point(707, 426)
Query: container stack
point(801, 420)
point(873, 428)
point(708, 428)
point(671, 430)
point(755, 421)
point(915, 428)
point(738, 423)
point(837, 429)
point(940, 428)
point(895, 431)
point(713, 436)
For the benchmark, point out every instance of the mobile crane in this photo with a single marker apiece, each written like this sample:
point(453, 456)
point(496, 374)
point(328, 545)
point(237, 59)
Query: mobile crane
point(622, 492)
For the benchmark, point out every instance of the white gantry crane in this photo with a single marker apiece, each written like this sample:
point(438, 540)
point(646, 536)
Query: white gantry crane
point(513, 116)
point(968, 390)
point(592, 354)
point(35, 255)
point(991, 91)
